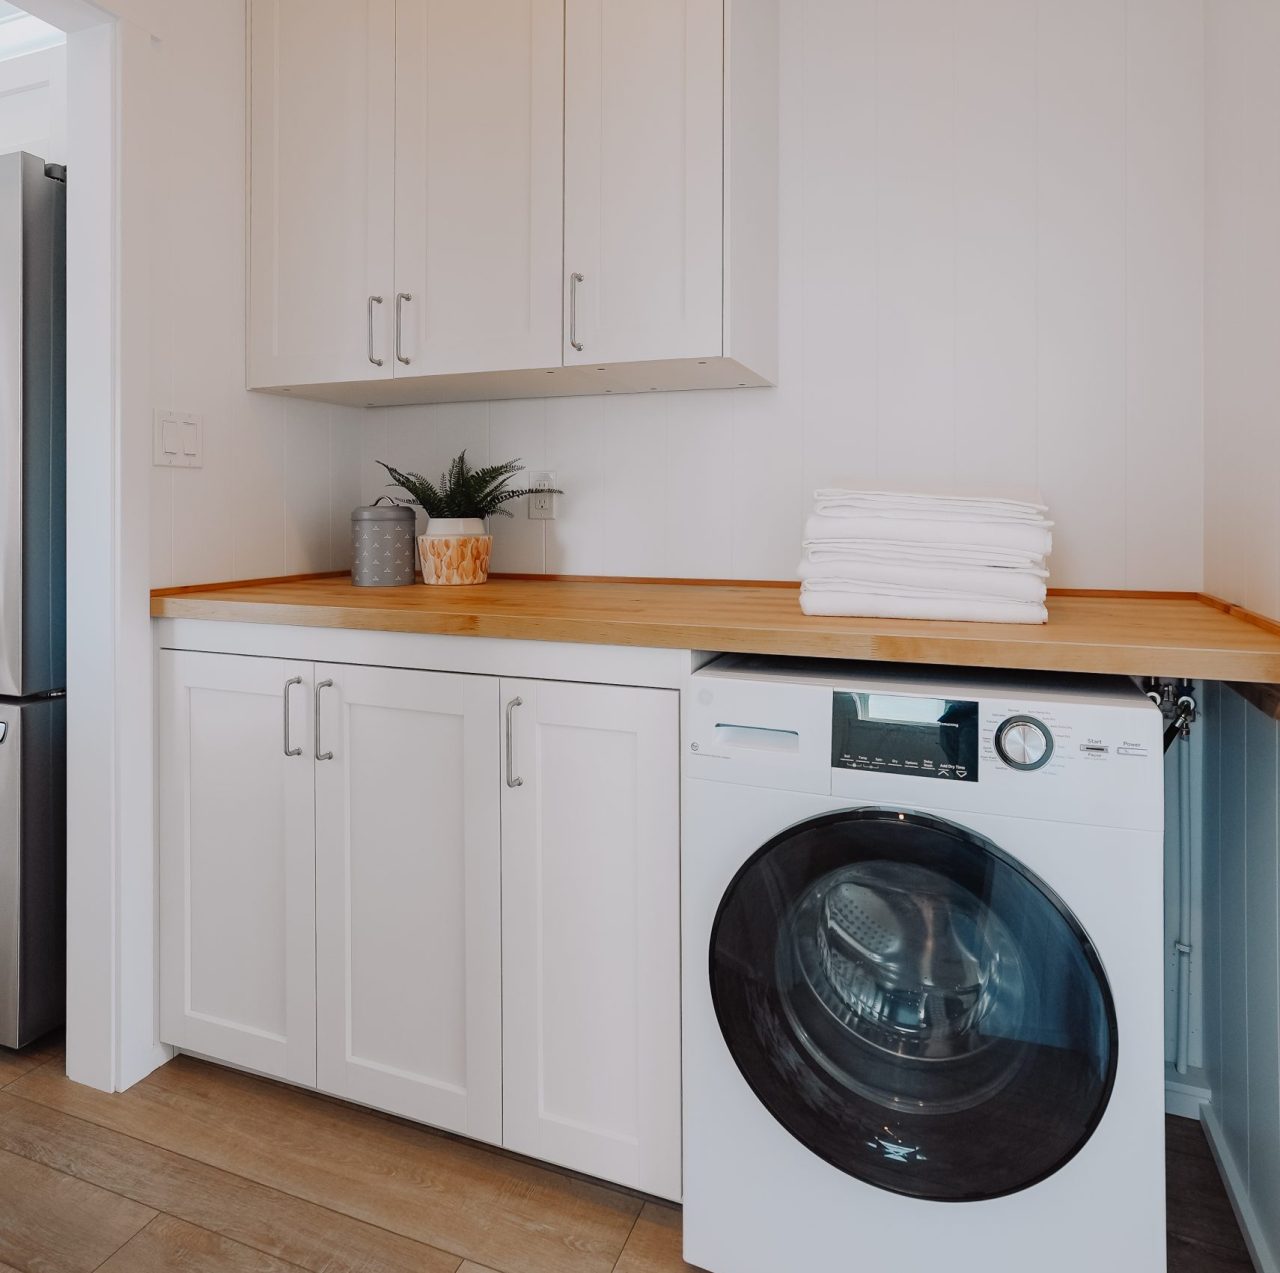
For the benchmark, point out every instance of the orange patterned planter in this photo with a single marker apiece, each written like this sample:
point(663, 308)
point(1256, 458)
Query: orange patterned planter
point(455, 559)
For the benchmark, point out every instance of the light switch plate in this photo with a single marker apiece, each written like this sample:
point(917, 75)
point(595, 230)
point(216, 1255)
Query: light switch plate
point(178, 440)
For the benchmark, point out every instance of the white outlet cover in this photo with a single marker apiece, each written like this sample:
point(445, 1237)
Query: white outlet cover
point(542, 508)
point(178, 440)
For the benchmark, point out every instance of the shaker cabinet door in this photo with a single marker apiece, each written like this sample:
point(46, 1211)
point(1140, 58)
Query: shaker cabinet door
point(237, 861)
point(644, 168)
point(408, 895)
point(591, 930)
point(479, 174)
point(322, 190)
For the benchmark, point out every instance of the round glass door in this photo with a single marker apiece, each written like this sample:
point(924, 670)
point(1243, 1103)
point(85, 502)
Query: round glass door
point(913, 1005)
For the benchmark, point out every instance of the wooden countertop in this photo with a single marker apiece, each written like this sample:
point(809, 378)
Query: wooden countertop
point(1137, 634)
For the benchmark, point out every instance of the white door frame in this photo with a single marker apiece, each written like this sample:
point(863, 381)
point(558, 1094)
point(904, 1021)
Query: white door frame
point(112, 1034)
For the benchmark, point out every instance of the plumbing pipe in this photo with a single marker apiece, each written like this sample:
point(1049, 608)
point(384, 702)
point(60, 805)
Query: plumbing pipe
point(1183, 943)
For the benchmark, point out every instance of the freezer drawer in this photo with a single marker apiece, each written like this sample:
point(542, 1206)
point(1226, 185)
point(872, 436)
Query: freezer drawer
point(33, 873)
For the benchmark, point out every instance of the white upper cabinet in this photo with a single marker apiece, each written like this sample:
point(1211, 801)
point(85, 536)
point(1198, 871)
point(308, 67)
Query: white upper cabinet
point(548, 197)
point(322, 190)
point(479, 123)
point(408, 895)
point(644, 230)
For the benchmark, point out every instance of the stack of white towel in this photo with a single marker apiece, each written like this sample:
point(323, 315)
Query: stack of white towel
point(888, 556)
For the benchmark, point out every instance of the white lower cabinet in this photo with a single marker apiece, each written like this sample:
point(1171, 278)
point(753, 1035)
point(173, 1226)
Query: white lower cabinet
point(591, 930)
point(237, 862)
point(408, 924)
point(448, 896)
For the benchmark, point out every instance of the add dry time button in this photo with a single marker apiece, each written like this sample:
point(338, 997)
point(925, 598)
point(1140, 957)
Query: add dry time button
point(1023, 742)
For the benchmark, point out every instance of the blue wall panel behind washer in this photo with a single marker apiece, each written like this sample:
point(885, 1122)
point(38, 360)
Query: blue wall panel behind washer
point(1242, 950)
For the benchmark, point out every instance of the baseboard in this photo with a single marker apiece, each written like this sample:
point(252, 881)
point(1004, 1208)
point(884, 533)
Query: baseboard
point(1184, 1094)
point(1260, 1249)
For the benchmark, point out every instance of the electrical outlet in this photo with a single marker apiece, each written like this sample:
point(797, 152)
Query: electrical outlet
point(542, 503)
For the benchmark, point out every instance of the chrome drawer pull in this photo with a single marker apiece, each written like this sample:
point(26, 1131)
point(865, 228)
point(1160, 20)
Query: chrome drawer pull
point(321, 755)
point(401, 297)
point(373, 300)
point(288, 749)
point(574, 280)
point(512, 779)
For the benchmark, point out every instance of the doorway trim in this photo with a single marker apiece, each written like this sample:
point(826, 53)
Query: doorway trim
point(112, 1031)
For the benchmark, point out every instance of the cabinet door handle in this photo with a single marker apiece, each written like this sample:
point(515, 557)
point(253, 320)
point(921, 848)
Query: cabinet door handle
point(320, 755)
point(401, 297)
point(288, 749)
point(574, 280)
point(373, 300)
point(512, 779)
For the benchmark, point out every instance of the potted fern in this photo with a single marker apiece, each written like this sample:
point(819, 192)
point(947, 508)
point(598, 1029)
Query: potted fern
point(457, 546)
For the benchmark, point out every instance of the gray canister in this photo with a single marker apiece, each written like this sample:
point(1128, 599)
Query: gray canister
point(382, 545)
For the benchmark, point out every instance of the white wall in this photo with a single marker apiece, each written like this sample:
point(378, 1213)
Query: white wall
point(992, 267)
point(991, 277)
point(33, 104)
point(279, 478)
point(1242, 329)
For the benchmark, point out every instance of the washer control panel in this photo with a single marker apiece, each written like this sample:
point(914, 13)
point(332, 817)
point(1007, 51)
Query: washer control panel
point(1023, 742)
point(1071, 750)
point(916, 734)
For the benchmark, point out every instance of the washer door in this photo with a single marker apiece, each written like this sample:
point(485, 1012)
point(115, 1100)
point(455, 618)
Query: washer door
point(913, 1005)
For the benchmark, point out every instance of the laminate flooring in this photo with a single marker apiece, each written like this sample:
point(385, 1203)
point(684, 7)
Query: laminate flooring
point(199, 1169)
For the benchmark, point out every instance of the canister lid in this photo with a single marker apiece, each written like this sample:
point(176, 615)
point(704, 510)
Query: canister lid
point(380, 512)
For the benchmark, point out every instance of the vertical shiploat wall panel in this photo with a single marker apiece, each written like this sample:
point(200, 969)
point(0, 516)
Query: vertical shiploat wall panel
point(1242, 959)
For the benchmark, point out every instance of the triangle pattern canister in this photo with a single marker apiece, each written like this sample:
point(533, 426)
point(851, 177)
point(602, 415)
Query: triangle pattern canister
point(382, 546)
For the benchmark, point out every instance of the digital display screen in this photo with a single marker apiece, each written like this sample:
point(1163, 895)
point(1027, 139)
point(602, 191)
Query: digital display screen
point(907, 734)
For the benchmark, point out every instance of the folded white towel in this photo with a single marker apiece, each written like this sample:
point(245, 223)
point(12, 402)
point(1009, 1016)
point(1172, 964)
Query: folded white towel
point(963, 517)
point(1022, 536)
point(872, 605)
point(890, 552)
point(894, 503)
point(903, 580)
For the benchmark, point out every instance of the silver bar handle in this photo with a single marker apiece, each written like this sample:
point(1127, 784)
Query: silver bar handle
point(288, 749)
point(401, 297)
point(320, 755)
point(574, 279)
point(373, 300)
point(512, 779)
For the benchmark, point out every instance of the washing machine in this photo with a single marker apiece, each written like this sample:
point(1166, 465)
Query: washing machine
point(922, 971)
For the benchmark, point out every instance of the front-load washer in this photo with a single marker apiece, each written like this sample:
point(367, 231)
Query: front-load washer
point(922, 971)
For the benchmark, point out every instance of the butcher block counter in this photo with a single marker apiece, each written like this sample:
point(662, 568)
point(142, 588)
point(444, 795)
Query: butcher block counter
point(1136, 634)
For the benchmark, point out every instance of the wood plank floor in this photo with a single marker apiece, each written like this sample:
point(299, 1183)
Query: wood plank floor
point(199, 1169)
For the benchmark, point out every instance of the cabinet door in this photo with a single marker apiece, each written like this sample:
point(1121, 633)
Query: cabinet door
point(479, 174)
point(322, 190)
point(591, 931)
point(237, 861)
point(408, 895)
point(644, 163)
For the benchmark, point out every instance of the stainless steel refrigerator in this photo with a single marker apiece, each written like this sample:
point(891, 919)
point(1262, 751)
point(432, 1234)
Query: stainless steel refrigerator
point(33, 549)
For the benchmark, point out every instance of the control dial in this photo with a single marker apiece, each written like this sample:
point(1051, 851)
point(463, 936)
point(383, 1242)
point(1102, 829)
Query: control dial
point(1023, 742)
